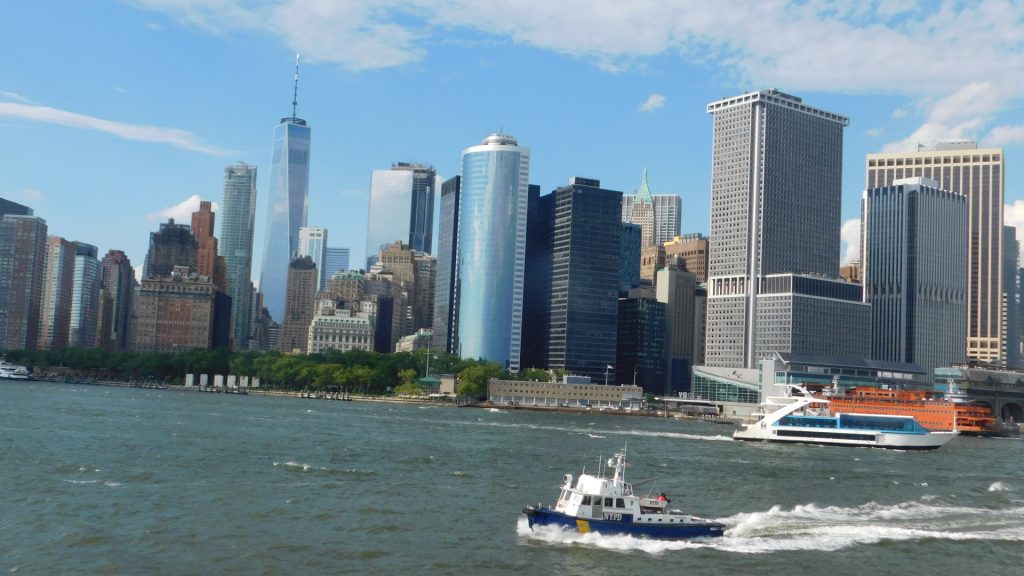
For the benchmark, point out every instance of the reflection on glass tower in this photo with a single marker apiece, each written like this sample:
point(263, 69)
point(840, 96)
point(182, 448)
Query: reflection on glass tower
point(287, 204)
point(492, 250)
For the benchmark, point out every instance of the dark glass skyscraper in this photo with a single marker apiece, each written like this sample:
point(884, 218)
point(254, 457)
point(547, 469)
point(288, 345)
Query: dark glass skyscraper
point(573, 279)
point(445, 322)
point(287, 206)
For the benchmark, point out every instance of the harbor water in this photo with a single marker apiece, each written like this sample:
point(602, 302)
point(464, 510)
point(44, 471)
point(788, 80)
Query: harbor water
point(101, 480)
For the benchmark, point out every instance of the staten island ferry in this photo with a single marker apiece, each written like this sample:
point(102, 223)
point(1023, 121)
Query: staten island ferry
point(609, 506)
point(803, 418)
point(935, 411)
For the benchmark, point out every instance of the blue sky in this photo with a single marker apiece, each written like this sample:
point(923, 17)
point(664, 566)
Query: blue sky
point(116, 115)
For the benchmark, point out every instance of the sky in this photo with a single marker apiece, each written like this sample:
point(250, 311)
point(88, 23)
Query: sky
point(115, 115)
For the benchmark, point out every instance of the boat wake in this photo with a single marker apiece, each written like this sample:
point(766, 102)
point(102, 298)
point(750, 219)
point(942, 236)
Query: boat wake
point(811, 527)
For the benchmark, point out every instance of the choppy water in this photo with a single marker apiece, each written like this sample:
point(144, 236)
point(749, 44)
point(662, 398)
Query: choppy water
point(97, 480)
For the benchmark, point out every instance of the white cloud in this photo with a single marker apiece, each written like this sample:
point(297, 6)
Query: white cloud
point(180, 212)
point(1004, 135)
point(849, 236)
point(964, 56)
point(653, 102)
point(1013, 215)
point(14, 96)
point(140, 132)
point(875, 132)
point(32, 194)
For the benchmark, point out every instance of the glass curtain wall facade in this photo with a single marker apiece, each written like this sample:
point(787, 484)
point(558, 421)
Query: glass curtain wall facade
point(335, 260)
point(85, 297)
point(775, 208)
point(575, 289)
point(313, 243)
point(445, 279)
point(492, 249)
point(287, 210)
point(963, 168)
point(917, 293)
point(238, 218)
point(401, 208)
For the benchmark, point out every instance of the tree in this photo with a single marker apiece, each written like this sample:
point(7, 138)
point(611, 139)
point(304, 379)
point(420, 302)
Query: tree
point(473, 379)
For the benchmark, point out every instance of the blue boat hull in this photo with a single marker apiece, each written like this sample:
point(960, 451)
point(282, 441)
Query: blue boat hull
point(543, 516)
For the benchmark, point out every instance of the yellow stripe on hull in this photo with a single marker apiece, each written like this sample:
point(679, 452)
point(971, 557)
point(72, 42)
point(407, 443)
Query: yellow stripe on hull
point(583, 526)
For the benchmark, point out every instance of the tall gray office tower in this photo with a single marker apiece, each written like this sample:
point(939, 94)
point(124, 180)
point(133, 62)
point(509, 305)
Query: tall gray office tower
point(445, 319)
point(492, 249)
point(918, 293)
point(287, 205)
point(960, 166)
point(1011, 299)
point(401, 208)
point(238, 217)
point(85, 297)
point(775, 208)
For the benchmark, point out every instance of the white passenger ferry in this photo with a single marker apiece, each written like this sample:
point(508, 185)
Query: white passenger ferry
point(803, 418)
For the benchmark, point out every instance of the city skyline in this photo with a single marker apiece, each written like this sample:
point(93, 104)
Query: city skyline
point(84, 97)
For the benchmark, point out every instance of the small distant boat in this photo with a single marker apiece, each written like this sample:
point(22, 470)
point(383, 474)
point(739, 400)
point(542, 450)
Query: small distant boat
point(608, 506)
point(11, 371)
point(803, 418)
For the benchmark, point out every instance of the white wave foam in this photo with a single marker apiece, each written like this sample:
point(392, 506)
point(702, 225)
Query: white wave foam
point(81, 481)
point(301, 466)
point(112, 484)
point(595, 435)
point(812, 527)
point(493, 410)
point(998, 487)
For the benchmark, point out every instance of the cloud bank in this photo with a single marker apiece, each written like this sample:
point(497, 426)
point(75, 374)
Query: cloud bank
point(959, 62)
point(140, 132)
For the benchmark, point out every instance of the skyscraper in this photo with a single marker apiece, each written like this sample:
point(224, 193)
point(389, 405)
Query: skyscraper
point(171, 246)
point(1011, 299)
point(917, 292)
point(208, 262)
point(55, 315)
point(117, 283)
point(299, 306)
point(575, 290)
point(335, 260)
point(176, 312)
point(22, 274)
point(492, 249)
point(85, 297)
point(313, 243)
point(960, 167)
point(639, 209)
point(445, 324)
point(667, 212)
point(287, 205)
point(238, 216)
point(775, 208)
point(401, 208)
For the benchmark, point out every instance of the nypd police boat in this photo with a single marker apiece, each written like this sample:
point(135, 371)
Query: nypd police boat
point(608, 506)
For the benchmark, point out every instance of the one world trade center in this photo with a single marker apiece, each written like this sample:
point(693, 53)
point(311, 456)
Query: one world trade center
point(287, 206)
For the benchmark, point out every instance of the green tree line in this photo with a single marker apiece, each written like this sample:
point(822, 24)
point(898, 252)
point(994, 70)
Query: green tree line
point(356, 370)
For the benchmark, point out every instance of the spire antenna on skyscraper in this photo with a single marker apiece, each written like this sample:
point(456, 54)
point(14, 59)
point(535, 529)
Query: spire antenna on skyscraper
point(295, 93)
